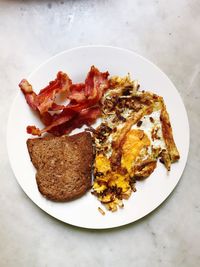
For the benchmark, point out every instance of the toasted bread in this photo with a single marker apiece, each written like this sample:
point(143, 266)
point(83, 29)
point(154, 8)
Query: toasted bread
point(63, 165)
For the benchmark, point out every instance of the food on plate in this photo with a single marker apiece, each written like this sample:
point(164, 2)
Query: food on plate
point(101, 211)
point(82, 106)
point(134, 133)
point(63, 164)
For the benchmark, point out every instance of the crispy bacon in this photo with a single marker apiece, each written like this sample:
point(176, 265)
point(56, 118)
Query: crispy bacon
point(47, 95)
point(77, 92)
point(46, 118)
point(96, 83)
point(59, 119)
point(85, 117)
point(33, 130)
point(56, 107)
point(83, 107)
point(92, 90)
point(31, 97)
point(44, 101)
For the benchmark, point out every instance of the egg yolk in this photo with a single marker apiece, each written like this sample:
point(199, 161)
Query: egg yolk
point(102, 164)
point(136, 140)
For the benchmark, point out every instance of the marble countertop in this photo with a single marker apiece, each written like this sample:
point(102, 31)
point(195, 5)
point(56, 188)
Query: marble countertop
point(167, 33)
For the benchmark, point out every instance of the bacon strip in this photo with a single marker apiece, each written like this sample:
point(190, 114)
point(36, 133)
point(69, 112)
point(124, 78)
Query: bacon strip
point(31, 97)
point(47, 95)
point(96, 83)
point(77, 92)
point(45, 100)
point(85, 117)
point(83, 107)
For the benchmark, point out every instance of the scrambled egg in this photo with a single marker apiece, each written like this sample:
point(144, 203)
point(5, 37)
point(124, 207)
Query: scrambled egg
point(110, 186)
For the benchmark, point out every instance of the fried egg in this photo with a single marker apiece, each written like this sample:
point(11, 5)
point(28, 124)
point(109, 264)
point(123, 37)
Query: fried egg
point(129, 142)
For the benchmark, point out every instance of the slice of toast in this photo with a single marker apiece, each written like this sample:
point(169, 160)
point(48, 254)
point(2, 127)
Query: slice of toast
point(63, 164)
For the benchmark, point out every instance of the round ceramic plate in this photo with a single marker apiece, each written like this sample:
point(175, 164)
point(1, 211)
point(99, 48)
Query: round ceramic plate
point(150, 193)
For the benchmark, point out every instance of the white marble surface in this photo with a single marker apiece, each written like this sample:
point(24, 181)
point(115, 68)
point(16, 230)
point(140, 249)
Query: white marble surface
point(166, 32)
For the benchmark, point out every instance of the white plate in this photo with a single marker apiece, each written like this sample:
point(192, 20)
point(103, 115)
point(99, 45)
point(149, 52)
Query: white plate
point(151, 192)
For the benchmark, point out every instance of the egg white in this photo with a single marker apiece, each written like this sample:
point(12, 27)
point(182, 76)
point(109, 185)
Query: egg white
point(147, 126)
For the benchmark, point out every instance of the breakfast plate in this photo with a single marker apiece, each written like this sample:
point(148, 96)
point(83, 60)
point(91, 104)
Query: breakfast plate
point(83, 212)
